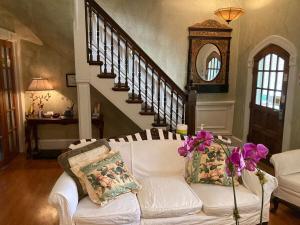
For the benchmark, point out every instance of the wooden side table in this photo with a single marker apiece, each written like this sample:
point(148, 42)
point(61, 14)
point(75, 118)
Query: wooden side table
point(32, 123)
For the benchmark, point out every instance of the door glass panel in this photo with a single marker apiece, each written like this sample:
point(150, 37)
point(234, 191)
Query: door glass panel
point(279, 81)
point(267, 62)
point(266, 80)
point(259, 79)
point(258, 96)
point(13, 123)
point(264, 98)
point(277, 100)
point(10, 141)
point(280, 64)
point(261, 64)
point(270, 99)
point(274, 62)
point(272, 80)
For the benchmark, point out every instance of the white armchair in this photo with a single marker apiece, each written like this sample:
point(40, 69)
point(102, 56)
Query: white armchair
point(287, 171)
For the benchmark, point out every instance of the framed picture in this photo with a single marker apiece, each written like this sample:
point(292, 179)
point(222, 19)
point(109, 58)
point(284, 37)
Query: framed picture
point(71, 80)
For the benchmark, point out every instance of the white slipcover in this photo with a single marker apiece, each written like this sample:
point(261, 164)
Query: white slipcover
point(167, 197)
point(157, 158)
point(123, 210)
point(218, 200)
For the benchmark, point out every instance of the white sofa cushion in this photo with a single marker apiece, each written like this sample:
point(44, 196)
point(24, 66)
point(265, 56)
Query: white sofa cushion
point(280, 162)
point(167, 197)
point(291, 182)
point(157, 158)
point(218, 200)
point(123, 210)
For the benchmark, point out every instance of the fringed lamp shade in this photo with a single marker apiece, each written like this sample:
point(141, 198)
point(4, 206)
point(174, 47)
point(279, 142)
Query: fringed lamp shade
point(229, 14)
point(40, 84)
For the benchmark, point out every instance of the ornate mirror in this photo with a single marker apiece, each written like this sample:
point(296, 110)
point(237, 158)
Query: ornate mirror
point(209, 51)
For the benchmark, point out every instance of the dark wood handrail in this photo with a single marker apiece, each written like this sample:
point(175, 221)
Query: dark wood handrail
point(137, 48)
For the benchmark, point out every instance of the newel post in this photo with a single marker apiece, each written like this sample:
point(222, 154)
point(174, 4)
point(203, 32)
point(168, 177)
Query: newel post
point(190, 111)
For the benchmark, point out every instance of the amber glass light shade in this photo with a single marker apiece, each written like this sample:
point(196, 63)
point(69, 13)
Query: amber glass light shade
point(40, 84)
point(229, 14)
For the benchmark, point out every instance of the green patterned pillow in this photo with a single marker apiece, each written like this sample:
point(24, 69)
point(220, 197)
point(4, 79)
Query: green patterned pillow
point(208, 167)
point(108, 178)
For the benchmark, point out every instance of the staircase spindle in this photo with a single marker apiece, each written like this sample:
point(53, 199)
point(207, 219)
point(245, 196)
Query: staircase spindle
point(140, 96)
point(165, 100)
point(132, 91)
point(119, 63)
point(98, 39)
point(91, 36)
point(171, 110)
point(112, 49)
point(105, 48)
point(182, 112)
point(126, 64)
point(152, 90)
point(176, 108)
point(158, 100)
point(146, 88)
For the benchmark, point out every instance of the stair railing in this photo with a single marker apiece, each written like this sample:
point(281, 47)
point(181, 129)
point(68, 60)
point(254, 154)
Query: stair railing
point(120, 57)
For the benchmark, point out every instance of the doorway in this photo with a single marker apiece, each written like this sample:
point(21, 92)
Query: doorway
point(268, 98)
point(9, 141)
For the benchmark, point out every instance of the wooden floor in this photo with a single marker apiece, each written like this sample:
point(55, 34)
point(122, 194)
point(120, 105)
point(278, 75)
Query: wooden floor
point(26, 184)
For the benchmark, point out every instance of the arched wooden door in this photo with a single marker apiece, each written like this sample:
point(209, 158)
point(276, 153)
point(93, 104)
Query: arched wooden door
point(268, 100)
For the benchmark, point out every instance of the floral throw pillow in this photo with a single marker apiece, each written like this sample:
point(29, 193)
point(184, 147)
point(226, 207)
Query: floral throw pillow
point(108, 178)
point(208, 167)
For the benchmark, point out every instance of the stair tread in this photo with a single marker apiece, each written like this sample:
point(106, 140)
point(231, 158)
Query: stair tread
point(107, 75)
point(134, 101)
point(121, 87)
point(159, 124)
point(95, 63)
point(147, 112)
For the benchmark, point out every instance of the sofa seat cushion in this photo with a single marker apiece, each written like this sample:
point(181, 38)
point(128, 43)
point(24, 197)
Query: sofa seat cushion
point(167, 197)
point(291, 182)
point(218, 200)
point(123, 210)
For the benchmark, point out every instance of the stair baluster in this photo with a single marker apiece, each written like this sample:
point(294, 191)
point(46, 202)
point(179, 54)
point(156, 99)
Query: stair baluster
point(165, 101)
point(152, 90)
point(112, 49)
point(182, 106)
point(171, 110)
point(132, 78)
point(98, 39)
point(119, 63)
point(146, 89)
point(158, 101)
point(126, 64)
point(177, 108)
point(140, 96)
point(105, 48)
point(91, 36)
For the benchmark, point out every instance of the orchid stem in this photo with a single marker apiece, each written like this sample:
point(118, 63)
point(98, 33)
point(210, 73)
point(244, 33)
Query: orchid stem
point(236, 212)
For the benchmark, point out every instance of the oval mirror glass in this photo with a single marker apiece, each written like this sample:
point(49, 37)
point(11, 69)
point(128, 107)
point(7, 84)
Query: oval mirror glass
point(208, 62)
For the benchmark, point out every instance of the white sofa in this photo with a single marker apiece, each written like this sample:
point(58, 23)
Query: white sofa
point(287, 171)
point(165, 198)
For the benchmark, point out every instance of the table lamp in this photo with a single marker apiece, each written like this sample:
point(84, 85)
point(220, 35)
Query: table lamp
point(41, 85)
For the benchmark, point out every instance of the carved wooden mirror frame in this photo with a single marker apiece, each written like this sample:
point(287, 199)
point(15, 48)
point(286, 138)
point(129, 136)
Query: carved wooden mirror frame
point(200, 34)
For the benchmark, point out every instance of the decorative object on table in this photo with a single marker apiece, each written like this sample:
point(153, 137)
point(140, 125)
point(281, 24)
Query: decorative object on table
point(39, 85)
point(69, 113)
point(96, 111)
point(56, 115)
point(71, 80)
point(209, 55)
point(48, 114)
point(182, 129)
point(230, 13)
point(237, 160)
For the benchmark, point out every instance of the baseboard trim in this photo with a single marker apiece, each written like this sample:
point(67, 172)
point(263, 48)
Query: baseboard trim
point(50, 144)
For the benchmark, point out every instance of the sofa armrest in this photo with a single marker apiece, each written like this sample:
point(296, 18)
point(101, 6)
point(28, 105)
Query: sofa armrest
point(64, 197)
point(251, 182)
point(281, 166)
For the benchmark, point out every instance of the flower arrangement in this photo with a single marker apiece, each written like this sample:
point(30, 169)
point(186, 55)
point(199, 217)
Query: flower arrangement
point(237, 160)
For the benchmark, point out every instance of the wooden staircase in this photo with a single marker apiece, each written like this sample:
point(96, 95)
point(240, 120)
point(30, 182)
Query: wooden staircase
point(122, 60)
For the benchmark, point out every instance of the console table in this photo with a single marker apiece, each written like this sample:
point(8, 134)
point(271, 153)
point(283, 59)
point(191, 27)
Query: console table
point(32, 123)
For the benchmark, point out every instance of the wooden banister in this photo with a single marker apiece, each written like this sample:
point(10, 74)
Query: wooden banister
point(110, 22)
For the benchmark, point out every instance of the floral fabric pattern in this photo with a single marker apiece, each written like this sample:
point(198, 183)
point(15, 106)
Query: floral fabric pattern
point(208, 167)
point(106, 179)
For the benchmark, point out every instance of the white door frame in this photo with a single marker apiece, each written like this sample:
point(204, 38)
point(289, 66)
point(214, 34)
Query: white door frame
point(291, 49)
